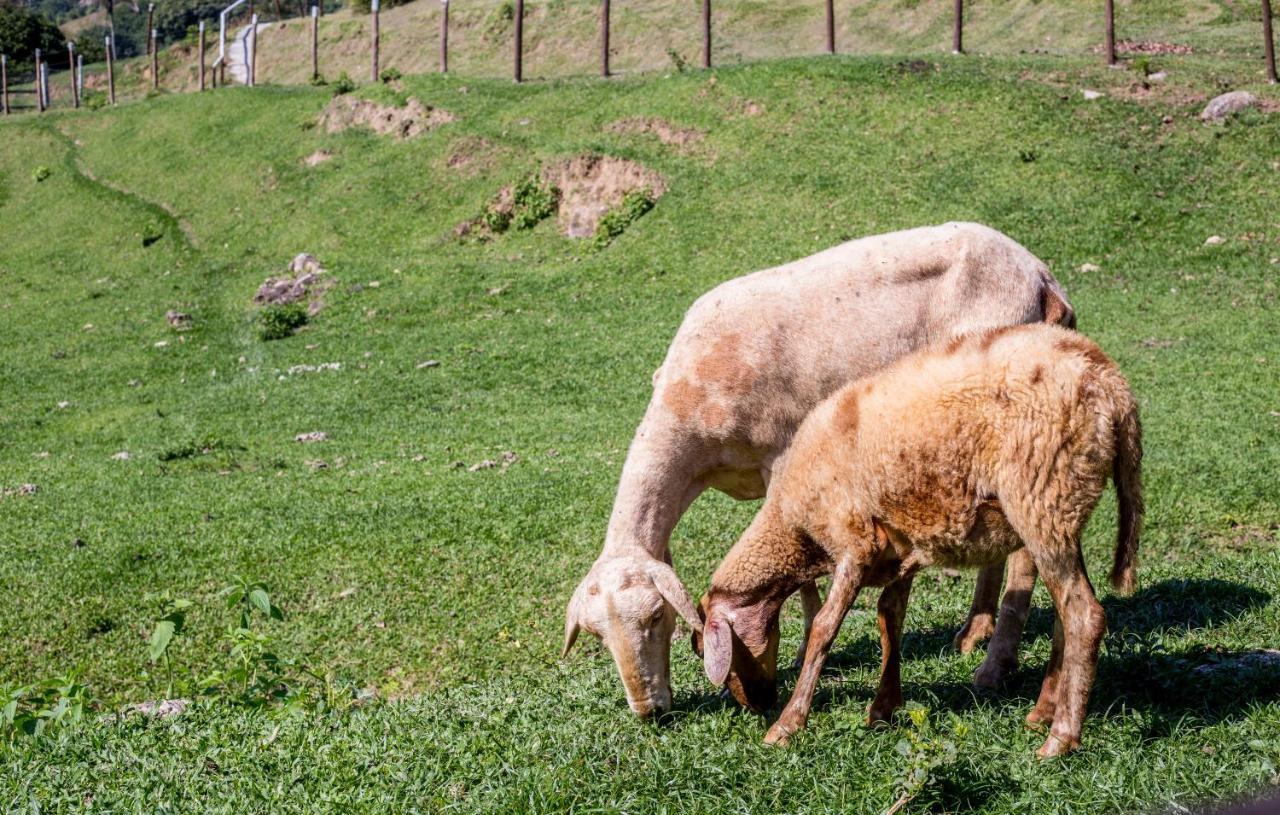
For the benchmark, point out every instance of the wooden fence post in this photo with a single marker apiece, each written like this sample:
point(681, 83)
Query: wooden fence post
point(155, 62)
point(151, 13)
point(957, 29)
point(374, 8)
point(1268, 42)
point(71, 67)
point(444, 36)
point(111, 74)
point(4, 83)
point(253, 51)
point(706, 33)
point(1110, 44)
point(315, 42)
point(39, 92)
point(519, 57)
point(604, 37)
point(831, 27)
point(201, 55)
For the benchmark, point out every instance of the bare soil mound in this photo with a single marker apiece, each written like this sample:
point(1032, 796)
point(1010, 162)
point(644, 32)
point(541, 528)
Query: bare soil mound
point(413, 119)
point(591, 185)
point(666, 132)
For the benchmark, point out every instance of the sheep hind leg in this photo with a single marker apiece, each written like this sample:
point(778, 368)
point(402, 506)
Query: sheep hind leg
point(845, 584)
point(1081, 624)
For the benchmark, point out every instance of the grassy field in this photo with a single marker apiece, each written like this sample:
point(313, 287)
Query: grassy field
point(442, 589)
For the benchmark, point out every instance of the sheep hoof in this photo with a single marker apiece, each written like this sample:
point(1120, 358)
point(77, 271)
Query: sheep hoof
point(778, 736)
point(1057, 746)
point(977, 630)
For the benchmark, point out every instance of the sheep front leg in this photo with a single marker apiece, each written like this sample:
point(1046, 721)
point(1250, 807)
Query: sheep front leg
point(812, 602)
point(1002, 653)
point(982, 614)
point(845, 584)
point(892, 610)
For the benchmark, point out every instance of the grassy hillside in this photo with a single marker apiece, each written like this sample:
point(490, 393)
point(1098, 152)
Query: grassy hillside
point(561, 36)
point(444, 588)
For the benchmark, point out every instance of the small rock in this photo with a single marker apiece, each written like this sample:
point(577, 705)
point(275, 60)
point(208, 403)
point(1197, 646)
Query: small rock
point(1091, 95)
point(160, 709)
point(431, 363)
point(1214, 240)
point(1228, 104)
point(303, 262)
point(316, 464)
point(345, 593)
point(63, 405)
point(509, 458)
point(314, 435)
point(1158, 76)
point(1090, 267)
point(419, 457)
point(123, 455)
point(134, 383)
point(488, 463)
point(162, 344)
point(178, 320)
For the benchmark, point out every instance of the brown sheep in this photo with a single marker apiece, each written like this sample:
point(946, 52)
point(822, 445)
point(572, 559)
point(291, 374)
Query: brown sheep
point(753, 356)
point(955, 456)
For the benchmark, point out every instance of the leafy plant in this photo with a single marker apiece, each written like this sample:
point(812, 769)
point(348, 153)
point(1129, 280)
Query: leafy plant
point(172, 619)
point(279, 321)
point(678, 62)
point(533, 200)
point(925, 752)
point(32, 709)
point(614, 222)
point(94, 100)
point(318, 81)
point(390, 75)
point(40, 173)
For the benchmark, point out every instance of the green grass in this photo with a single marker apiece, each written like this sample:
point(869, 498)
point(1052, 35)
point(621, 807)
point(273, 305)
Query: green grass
point(460, 578)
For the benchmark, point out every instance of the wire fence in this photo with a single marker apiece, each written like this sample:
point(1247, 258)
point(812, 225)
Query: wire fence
point(232, 57)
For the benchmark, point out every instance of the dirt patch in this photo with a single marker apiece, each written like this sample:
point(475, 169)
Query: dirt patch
point(470, 155)
point(1147, 48)
point(414, 119)
point(666, 132)
point(318, 157)
point(591, 185)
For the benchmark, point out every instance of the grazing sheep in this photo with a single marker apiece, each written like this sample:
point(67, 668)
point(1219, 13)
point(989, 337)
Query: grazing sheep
point(751, 359)
point(955, 456)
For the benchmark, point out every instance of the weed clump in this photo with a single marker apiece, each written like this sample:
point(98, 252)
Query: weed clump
point(94, 100)
point(614, 222)
point(343, 84)
point(522, 206)
point(40, 173)
point(390, 75)
point(279, 321)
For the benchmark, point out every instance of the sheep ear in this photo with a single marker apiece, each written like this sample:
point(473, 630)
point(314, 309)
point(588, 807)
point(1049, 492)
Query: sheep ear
point(672, 590)
point(571, 626)
point(717, 649)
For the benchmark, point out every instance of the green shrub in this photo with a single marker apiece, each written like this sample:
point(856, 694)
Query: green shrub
point(318, 81)
point(94, 100)
point(278, 322)
point(390, 75)
point(40, 173)
point(632, 206)
point(533, 200)
point(343, 84)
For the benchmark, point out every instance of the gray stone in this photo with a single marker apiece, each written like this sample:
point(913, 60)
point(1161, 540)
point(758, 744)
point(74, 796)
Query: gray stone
point(1228, 104)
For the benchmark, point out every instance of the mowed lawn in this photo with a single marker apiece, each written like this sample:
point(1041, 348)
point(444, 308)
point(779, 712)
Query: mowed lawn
point(442, 589)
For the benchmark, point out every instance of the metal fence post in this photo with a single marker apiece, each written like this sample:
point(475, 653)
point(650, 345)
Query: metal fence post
point(111, 74)
point(253, 51)
point(79, 78)
point(519, 56)
point(315, 42)
point(39, 92)
point(201, 54)
point(706, 33)
point(444, 36)
point(155, 62)
point(43, 82)
point(4, 83)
